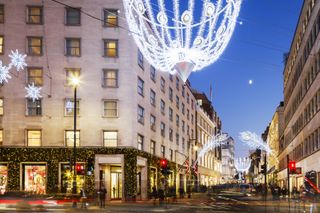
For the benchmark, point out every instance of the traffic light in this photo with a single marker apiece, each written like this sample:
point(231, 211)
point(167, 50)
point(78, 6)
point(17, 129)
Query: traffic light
point(263, 169)
point(80, 169)
point(164, 166)
point(292, 167)
point(90, 167)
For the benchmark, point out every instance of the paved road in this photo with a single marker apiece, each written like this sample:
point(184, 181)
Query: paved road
point(200, 203)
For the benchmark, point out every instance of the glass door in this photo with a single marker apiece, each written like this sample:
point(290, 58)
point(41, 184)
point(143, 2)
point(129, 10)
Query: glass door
point(116, 185)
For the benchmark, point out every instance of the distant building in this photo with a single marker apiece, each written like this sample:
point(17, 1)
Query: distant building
point(227, 162)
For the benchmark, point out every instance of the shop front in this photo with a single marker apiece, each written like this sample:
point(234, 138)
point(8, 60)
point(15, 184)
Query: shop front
point(34, 176)
point(3, 178)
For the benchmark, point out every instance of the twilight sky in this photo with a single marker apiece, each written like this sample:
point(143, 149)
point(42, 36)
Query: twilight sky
point(255, 53)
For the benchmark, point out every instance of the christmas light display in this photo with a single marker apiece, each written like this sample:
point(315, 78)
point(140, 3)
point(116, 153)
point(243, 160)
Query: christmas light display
point(33, 92)
point(242, 164)
point(216, 141)
point(17, 61)
point(254, 141)
point(176, 42)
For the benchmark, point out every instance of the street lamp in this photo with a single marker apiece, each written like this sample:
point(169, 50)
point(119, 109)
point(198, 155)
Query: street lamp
point(74, 81)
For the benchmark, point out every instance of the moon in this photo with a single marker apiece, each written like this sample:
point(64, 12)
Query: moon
point(250, 82)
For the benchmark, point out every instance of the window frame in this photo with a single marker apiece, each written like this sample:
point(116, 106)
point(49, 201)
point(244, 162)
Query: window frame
point(66, 114)
point(140, 143)
point(105, 139)
point(2, 14)
point(106, 48)
point(68, 9)
point(106, 12)
point(28, 21)
point(140, 117)
point(140, 59)
point(152, 98)
point(30, 47)
point(72, 131)
point(153, 74)
point(68, 49)
point(1, 106)
point(152, 147)
point(40, 139)
point(153, 124)
point(29, 100)
point(105, 78)
point(2, 45)
point(116, 110)
point(34, 77)
point(140, 88)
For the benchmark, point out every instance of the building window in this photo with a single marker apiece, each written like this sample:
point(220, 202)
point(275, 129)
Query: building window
point(69, 106)
point(163, 129)
point(73, 46)
point(182, 126)
point(1, 137)
point(73, 17)
point(110, 138)
point(177, 83)
point(183, 144)
point(192, 118)
point(140, 86)
point(163, 151)
point(110, 17)
point(140, 59)
point(162, 107)
point(34, 137)
point(1, 106)
point(162, 84)
point(170, 134)
point(110, 108)
point(1, 13)
point(152, 147)
point(71, 73)
point(140, 114)
point(171, 154)
point(182, 108)
point(110, 78)
point(1, 44)
point(69, 139)
point(153, 73)
point(140, 142)
point(152, 97)
point(35, 15)
point(170, 114)
point(110, 48)
point(183, 91)
point(152, 122)
point(188, 98)
point(177, 102)
point(35, 76)
point(34, 108)
point(34, 178)
point(34, 46)
point(177, 139)
point(170, 94)
point(177, 120)
point(188, 114)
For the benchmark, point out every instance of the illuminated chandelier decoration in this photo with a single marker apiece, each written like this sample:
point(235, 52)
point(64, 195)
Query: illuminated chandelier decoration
point(242, 164)
point(177, 43)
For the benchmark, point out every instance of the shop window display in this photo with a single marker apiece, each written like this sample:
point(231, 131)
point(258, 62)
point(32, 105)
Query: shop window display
point(67, 179)
point(34, 178)
point(3, 178)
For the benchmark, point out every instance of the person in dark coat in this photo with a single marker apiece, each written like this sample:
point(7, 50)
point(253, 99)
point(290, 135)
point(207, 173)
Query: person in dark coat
point(102, 194)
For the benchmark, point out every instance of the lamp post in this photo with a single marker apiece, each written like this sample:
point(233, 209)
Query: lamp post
point(74, 80)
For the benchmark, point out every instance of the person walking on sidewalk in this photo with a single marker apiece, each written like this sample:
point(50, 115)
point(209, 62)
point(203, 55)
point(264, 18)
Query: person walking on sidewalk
point(102, 196)
point(154, 195)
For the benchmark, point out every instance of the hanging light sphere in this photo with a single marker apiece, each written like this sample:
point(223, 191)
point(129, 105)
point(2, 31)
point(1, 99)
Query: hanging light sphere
point(170, 37)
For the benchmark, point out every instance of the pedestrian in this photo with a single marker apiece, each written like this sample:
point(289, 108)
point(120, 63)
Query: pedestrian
point(102, 196)
point(154, 195)
point(83, 199)
point(295, 193)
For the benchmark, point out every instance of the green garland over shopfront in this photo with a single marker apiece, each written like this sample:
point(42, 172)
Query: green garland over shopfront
point(14, 156)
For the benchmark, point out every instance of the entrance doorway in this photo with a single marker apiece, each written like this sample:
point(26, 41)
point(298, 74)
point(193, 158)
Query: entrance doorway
point(116, 183)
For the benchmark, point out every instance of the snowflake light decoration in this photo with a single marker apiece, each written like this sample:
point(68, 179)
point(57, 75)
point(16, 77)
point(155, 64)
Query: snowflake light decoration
point(242, 164)
point(33, 92)
point(4, 73)
point(181, 44)
point(17, 60)
point(254, 141)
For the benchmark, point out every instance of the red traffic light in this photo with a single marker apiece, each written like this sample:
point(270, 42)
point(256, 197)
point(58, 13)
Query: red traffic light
point(292, 166)
point(164, 163)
